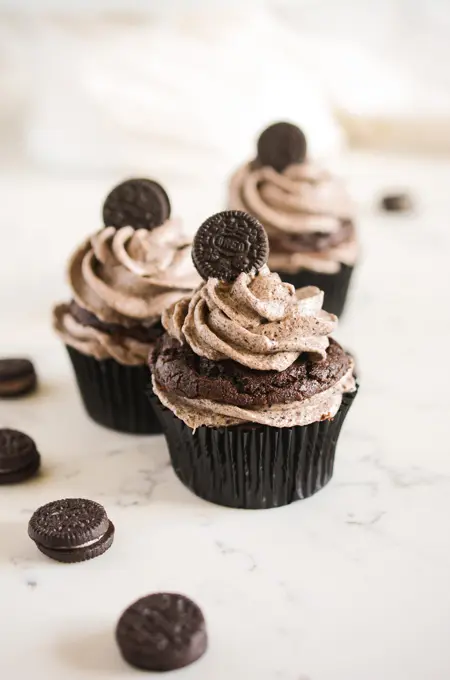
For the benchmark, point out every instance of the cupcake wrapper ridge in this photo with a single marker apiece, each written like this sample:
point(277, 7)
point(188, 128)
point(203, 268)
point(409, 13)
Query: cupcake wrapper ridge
point(115, 395)
point(253, 466)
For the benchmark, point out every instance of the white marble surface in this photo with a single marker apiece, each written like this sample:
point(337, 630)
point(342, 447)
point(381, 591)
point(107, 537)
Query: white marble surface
point(350, 585)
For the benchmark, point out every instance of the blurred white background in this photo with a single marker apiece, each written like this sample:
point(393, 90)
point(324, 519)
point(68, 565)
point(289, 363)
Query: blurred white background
point(183, 87)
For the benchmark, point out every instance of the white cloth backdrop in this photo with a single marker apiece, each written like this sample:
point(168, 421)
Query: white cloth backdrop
point(185, 90)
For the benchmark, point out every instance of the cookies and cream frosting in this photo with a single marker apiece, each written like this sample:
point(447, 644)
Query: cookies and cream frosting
point(125, 277)
point(262, 323)
point(205, 412)
point(304, 199)
point(257, 321)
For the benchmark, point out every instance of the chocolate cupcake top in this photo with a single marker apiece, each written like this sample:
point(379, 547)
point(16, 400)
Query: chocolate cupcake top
point(125, 277)
point(263, 324)
point(305, 209)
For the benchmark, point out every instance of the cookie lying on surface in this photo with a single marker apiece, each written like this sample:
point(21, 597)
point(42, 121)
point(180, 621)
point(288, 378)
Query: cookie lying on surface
point(19, 457)
point(162, 632)
point(17, 377)
point(71, 530)
point(397, 202)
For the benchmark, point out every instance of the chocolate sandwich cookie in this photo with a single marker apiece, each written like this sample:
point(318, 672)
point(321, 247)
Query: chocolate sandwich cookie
point(138, 203)
point(162, 632)
point(19, 457)
point(17, 377)
point(399, 202)
point(280, 145)
point(71, 530)
point(228, 244)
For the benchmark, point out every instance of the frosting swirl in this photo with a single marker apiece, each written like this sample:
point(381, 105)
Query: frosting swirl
point(263, 324)
point(205, 412)
point(125, 277)
point(306, 211)
point(95, 343)
point(257, 321)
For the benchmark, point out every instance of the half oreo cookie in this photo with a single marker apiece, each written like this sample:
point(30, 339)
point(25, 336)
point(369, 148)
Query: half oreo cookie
point(280, 145)
point(71, 530)
point(19, 458)
point(162, 632)
point(137, 203)
point(228, 244)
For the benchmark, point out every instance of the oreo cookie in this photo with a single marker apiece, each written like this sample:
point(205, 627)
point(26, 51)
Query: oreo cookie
point(400, 202)
point(71, 530)
point(137, 203)
point(19, 457)
point(17, 377)
point(280, 145)
point(228, 244)
point(162, 632)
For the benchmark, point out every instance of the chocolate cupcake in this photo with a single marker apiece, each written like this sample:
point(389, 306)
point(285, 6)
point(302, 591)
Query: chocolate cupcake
point(305, 210)
point(250, 389)
point(122, 278)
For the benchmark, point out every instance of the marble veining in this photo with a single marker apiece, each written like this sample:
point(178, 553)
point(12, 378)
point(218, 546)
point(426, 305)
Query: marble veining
point(349, 585)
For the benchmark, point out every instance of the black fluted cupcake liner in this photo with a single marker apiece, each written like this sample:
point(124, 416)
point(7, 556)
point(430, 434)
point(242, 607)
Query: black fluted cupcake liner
point(253, 466)
point(335, 286)
point(115, 395)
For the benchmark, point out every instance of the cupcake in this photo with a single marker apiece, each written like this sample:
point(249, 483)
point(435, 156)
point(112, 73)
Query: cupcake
point(122, 278)
point(250, 389)
point(305, 210)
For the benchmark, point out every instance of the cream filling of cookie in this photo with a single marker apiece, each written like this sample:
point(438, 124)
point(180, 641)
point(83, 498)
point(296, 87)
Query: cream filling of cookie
point(11, 386)
point(87, 544)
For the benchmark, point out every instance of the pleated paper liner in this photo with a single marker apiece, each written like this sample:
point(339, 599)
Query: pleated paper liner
point(253, 466)
point(114, 395)
point(335, 286)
